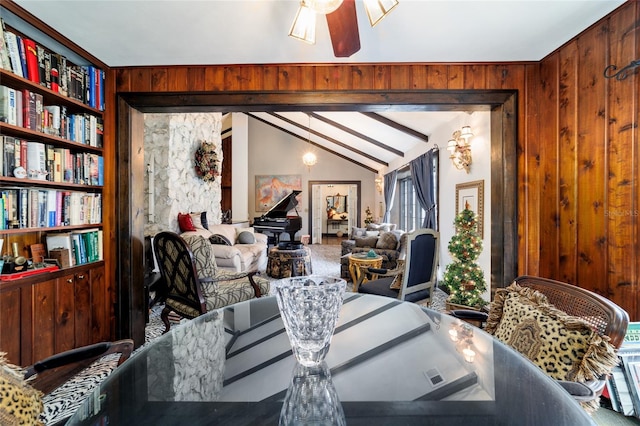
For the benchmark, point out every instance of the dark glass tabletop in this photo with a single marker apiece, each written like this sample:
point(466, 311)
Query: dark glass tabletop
point(390, 362)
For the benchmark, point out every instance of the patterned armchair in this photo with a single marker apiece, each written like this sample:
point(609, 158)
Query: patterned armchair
point(194, 283)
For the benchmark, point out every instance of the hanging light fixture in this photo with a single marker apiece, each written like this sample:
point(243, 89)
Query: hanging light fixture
point(304, 26)
point(378, 9)
point(309, 158)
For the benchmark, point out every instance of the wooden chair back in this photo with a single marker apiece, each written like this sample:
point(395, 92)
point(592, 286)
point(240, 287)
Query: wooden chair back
point(421, 262)
point(605, 316)
point(55, 370)
point(183, 292)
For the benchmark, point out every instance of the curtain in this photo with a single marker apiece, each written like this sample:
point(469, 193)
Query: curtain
point(390, 180)
point(424, 175)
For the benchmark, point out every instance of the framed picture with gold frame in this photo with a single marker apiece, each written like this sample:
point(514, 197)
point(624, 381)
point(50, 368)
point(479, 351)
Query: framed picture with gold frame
point(471, 195)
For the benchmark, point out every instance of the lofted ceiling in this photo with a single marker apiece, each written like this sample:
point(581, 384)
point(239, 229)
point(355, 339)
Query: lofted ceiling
point(187, 32)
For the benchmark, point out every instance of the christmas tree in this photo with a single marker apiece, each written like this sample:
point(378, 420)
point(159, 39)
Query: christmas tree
point(464, 278)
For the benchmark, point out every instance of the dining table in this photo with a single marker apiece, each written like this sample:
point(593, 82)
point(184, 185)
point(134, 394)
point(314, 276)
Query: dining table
point(390, 362)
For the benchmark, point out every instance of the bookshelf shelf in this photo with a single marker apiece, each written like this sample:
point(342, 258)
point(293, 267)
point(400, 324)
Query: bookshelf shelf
point(15, 81)
point(50, 184)
point(22, 132)
point(50, 228)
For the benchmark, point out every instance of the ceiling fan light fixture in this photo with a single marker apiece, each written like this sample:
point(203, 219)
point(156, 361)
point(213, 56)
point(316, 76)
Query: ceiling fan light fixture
point(304, 25)
point(323, 6)
point(378, 9)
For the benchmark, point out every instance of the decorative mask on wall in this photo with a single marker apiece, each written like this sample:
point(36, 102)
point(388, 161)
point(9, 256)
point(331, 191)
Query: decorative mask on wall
point(206, 162)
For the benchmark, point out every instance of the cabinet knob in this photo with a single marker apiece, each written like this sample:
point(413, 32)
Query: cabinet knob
point(70, 280)
point(81, 277)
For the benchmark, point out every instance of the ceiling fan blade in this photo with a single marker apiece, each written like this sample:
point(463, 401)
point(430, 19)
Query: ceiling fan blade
point(343, 29)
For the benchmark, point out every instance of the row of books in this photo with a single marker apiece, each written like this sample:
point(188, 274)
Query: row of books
point(25, 108)
point(623, 385)
point(39, 161)
point(79, 247)
point(22, 208)
point(28, 59)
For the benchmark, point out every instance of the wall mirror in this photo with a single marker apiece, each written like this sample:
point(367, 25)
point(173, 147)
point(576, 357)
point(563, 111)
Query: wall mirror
point(337, 202)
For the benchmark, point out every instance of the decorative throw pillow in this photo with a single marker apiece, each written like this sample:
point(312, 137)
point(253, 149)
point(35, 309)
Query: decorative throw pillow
point(196, 218)
point(219, 240)
point(366, 241)
point(357, 232)
point(379, 227)
point(246, 237)
point(19, 402)
point(372, 233)
point(387, 241)
point(241, 230)
point(563, 346)
point(185, 222)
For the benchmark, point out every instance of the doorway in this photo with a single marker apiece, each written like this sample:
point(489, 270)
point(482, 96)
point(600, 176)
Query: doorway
point(341, 214)
point(130, 166)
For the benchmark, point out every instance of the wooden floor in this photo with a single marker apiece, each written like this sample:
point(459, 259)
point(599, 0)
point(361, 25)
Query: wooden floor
point(332, 239)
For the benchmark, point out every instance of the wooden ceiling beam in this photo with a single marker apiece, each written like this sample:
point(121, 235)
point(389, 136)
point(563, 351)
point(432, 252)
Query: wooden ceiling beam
point(329, 139)
point(395, 125)
point(356, 134)
point(275, 126)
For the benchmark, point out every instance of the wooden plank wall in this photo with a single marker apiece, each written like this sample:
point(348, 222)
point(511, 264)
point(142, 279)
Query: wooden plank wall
point(578, 140)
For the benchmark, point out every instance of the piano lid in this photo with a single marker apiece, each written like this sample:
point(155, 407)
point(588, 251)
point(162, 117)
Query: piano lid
point(281, 208)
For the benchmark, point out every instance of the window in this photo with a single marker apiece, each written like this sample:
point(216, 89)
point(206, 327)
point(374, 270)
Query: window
point(411, 214)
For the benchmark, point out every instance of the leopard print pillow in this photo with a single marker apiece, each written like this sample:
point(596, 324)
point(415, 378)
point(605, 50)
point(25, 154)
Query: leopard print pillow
point(20, 404)
point(564, 347)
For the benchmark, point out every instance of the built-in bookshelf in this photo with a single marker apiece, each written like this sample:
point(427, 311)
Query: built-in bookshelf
point(52, 105)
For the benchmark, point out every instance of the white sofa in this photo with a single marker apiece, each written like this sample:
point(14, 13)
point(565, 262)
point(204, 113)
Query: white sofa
point(236, 257)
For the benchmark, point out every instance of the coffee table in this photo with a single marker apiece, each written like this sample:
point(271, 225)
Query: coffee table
point(356, 260)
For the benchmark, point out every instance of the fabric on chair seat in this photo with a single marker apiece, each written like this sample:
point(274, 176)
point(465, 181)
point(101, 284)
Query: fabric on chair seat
point(380, 287)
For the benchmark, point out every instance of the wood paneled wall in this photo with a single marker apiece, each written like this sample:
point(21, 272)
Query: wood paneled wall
point(578, 140)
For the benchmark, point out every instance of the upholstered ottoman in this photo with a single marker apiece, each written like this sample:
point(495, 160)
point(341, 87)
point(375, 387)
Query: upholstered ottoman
point(289, 263)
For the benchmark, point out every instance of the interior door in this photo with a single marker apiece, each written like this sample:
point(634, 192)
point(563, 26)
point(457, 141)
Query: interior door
point(352, 200)
point(317, 213)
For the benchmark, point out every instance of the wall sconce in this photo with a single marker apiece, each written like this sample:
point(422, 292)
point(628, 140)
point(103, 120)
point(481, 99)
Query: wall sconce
point(378, 181)
point(460, 148)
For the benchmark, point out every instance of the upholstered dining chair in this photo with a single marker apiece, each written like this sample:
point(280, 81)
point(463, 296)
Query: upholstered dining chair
point(533, 312)
point(194, 284)
point(411, 280)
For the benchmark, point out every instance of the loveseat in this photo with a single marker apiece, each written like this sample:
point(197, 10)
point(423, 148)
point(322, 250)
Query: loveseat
point(384, 239)
point(235, 249)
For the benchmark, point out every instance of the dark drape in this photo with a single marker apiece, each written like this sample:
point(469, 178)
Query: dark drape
point(424, 174)
point(390, 180)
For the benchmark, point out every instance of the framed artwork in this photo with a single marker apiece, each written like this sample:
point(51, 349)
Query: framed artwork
point(471, 195)
point(272, 188)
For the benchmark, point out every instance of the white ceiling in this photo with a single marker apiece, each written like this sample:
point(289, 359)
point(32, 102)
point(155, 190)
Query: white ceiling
point(188, 32)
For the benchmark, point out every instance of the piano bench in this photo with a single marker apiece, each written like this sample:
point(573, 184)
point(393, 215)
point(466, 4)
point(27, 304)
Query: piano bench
point(289, 263)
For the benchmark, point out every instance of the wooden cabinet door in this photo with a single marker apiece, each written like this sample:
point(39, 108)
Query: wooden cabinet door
point(100, 306)
point(43, 314)
point(65, 313)
point(82, 317)
point(11, 322)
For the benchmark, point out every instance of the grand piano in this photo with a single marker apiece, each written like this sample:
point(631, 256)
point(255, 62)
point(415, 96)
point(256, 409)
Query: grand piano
point(276, 221)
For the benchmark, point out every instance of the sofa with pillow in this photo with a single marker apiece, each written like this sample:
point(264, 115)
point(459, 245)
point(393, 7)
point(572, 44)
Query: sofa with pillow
point(236, 249)
point(384, 239)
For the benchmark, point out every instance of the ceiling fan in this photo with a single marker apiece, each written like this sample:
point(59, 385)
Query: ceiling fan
point(341, 19)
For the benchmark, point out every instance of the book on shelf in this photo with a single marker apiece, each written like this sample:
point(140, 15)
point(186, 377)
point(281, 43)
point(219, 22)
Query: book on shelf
point(8, 105)
point(9, 147)
point(33, 72)
point(36, 160)
point(5, 62)
point(11, 41)
point(23, 55)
